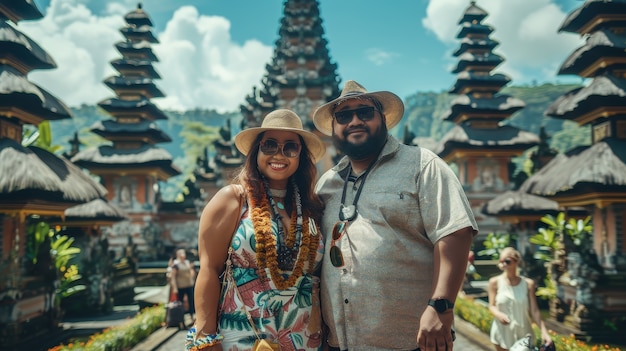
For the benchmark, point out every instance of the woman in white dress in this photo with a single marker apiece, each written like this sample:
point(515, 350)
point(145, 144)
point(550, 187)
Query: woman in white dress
point(513, 304)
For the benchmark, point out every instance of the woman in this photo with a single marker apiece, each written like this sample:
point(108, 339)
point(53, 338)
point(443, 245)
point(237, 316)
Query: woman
point(277, 246)
point(513, 304)
point(183, 276)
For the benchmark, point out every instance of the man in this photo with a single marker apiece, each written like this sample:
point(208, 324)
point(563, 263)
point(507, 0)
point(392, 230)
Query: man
point(398, 230)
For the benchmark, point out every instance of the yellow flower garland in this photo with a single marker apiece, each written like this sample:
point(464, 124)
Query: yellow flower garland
point(266, 254)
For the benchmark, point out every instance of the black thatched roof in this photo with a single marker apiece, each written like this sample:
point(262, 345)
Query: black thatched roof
point(106, 154)
point(579, 19)
point(488, 60)
point(142, 49)
point(519, 203)
point(500, 104)
point(494, 82)
point(141, 67)
point(134, 84)
point(17, 93)
point(16, 45)
point(142, 107)
point(468, 43)
point(138, 131)
point(139, 33)
point(604, 91)
point(601, 51)
point(597, 168)
point(17, 10)
point(468, 28)
point(97, 210)
point(502, 138)
point(473, 13)
point(33, 174)
point(138, 17)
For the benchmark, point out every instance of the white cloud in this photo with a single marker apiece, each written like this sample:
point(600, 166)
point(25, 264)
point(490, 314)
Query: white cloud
point(199, 64)
point(526, 30)
point(379, 56)
point(202, 65)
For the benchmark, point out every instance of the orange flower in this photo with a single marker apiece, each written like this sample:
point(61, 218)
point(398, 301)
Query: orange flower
point(266, 254)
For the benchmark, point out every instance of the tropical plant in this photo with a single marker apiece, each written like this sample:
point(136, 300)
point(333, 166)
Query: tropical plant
point(62, 252)
point(42, 137)
point(559, 230)
point(550, 239)
point(37, 233)
point(494, 242)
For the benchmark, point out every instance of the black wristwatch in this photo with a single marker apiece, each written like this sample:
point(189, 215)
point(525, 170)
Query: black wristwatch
point(441, 305)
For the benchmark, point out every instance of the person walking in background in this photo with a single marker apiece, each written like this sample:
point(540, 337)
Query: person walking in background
point(275, 252)
point(513, 303)
point(182, 279)
point(399, 231)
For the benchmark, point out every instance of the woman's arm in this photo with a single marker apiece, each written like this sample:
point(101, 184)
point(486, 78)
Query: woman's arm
point(535, 313)
point(492, 290)
point(218, 221)
point(173, 279)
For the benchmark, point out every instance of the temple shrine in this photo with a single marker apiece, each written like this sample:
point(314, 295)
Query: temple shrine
point(590, 275)
point(36, 186)
point(131, 166)
point(301, 75)
point(480, 146)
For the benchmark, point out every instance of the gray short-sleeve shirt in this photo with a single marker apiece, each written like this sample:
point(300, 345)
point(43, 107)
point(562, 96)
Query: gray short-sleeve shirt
point(410, 199)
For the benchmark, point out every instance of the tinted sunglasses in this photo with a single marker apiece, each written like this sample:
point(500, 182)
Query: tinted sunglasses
point(289, 149)
point(365, 114)
point(336, 257)
point(506, 261)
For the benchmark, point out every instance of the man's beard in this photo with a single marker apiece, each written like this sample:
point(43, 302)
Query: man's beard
point(371, 146)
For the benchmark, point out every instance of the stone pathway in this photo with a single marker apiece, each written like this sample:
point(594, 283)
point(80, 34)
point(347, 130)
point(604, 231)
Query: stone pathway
point(469, 338)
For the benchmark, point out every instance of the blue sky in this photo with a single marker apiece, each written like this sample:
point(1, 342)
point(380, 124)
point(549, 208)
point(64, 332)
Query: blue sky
point(212, 52)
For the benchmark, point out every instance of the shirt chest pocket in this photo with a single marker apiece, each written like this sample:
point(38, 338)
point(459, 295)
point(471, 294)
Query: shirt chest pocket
point(393, 207)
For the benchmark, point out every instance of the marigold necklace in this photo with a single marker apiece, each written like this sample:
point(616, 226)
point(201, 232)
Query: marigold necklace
point(266, 251)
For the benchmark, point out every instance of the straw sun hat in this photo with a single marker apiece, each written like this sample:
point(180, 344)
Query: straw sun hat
point(393, 108)
point(281, 120)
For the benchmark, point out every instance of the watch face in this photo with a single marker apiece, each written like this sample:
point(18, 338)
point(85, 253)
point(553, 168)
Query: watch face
point(441, 306)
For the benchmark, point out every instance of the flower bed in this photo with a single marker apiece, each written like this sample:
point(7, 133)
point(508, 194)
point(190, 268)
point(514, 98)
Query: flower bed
point(124, 336)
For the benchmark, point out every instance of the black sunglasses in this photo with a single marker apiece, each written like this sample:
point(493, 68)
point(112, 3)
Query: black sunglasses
point(507, 261)
point(365, 114)
point(336, 257)
point(289, 149)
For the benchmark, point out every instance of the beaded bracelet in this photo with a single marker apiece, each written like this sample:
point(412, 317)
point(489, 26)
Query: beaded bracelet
point(193, 344)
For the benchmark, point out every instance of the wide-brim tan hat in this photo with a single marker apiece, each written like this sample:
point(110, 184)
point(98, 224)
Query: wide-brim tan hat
point(282, 120)
point(393, 107)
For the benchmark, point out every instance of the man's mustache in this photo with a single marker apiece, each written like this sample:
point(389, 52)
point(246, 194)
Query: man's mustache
point(357, 128)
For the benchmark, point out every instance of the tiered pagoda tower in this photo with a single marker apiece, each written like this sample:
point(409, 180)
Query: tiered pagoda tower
point(301, 75)
point(35, 185)
point(479, 145)
point(594, 176)
point(132, 166)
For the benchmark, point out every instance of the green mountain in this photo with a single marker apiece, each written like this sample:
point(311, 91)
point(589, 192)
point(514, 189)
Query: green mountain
point(424, 111)
point(191, 131)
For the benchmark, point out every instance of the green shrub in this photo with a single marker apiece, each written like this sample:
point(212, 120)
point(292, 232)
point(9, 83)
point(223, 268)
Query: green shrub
point(124, 336)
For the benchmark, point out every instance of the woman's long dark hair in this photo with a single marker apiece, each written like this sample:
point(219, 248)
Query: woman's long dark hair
point(305, 178)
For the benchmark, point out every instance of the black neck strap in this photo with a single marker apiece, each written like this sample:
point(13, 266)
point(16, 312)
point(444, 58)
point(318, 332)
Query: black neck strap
point(349, 213)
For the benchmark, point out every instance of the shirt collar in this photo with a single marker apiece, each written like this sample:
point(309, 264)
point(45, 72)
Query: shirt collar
point(389, 149)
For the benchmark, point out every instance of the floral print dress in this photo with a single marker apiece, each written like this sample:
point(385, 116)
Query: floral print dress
point(283, 316)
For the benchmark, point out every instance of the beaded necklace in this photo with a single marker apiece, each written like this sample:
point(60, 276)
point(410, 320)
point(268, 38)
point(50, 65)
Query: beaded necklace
point(288, 243)
point(266, 243)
